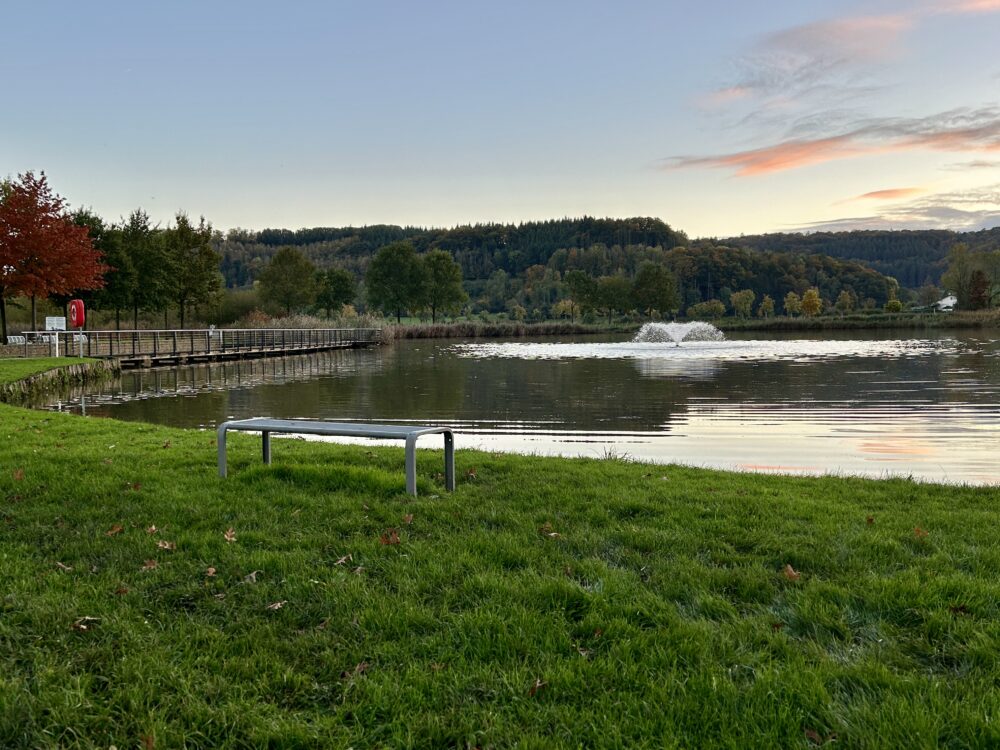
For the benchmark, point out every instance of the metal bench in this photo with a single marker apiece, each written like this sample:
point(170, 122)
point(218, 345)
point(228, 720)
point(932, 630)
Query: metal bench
point(409, 433)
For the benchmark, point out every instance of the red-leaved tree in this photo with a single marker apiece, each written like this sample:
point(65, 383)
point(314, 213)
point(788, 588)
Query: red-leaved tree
point(42, 252)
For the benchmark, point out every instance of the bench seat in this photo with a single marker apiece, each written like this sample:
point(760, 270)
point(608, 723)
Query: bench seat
point(409, 433)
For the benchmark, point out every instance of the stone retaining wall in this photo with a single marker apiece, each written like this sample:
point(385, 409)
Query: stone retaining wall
point(39, 383)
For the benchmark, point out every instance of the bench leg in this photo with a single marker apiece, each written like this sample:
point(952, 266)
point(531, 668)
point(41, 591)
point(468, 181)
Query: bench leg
point(449, 462)
point(411, 464)
point(221, 442)
point(266, 446)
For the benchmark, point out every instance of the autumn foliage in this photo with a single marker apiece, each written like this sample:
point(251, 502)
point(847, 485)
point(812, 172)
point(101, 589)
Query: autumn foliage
point(42, 252)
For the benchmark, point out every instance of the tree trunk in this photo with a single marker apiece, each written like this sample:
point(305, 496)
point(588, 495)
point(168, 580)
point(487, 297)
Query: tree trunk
point(118, 319)
point(182, 315)
point(3, 317)
point(399, 316)
point(433, 314)
point(34, 319)
point(135, 315)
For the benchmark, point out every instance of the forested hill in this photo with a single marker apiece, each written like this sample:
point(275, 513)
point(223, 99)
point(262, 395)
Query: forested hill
point(912, 257)
point(480, 249)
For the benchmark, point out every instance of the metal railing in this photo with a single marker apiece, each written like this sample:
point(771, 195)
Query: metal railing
point(195, 342)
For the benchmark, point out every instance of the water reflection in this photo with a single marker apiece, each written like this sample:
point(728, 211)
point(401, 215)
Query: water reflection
point(930, 408)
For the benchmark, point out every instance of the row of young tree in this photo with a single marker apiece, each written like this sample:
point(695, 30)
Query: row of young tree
point(49, 252)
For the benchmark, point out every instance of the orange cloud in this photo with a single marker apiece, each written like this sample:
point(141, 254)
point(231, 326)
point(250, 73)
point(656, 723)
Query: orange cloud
point(891, 194)
point(787, 155)
point(726, 95)
point(958, 130)
point(969, 6)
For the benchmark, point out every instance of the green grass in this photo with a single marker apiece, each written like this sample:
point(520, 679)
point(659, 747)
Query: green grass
point(16, 369)
point(648, 604)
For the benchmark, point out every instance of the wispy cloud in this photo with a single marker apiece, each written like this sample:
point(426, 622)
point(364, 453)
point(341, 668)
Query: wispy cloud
point(887, 195)
point(964, 166)
point(833, 57)
point(956, 130)
point(963, 210)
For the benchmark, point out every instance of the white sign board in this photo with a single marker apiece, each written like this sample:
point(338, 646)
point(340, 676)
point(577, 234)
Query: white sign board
point(55, 324)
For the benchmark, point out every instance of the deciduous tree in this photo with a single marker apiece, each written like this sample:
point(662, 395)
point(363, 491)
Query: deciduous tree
point(336, 287)
point(42, 252)
point(766, 307)
point(396, 279)
point(444, 283)
point(812, 303)
point(793, 304)
point(742, 302)
point(288, 281)
point(655, 288)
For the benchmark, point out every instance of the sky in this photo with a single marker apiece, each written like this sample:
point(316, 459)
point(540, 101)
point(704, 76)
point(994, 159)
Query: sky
point(721, 118)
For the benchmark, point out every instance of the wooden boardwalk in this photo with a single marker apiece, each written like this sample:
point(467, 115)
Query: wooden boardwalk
point(169, 347)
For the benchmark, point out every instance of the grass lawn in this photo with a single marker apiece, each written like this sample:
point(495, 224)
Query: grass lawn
point(144, 602)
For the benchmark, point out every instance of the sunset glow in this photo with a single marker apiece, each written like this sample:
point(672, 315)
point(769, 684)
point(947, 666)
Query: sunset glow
point(330, 114)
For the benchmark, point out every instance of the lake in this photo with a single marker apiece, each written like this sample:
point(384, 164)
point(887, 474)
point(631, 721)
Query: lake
point(924, 405)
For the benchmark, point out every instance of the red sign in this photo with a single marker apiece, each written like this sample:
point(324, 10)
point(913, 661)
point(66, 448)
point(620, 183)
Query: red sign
point(76, 313)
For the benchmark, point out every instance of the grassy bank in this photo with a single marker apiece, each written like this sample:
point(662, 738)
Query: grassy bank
point(545, 603)
point(887, 321)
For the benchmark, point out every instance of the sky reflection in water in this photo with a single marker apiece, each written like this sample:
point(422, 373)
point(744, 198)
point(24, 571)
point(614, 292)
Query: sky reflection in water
point(921, 407)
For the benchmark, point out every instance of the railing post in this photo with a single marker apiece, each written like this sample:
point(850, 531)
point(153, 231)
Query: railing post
point(175, 342)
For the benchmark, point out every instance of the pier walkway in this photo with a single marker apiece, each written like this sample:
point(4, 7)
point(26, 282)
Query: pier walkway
point(169, 347)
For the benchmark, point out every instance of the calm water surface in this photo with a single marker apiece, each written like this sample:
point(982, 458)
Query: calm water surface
point(925, 407)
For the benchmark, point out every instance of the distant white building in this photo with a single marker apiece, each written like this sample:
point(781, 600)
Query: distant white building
point(947, 304)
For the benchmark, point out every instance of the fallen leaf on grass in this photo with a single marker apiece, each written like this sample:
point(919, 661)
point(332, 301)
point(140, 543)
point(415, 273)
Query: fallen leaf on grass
point(408, 519)
point(166, 444)
point(537, 686)
point(150, 565)
point(114, 530)
point(437, 667)
point(471, 474)
point(210, 572)
point(358, 570)
point(958, 609)
point(151, 530)
point(230, 535)
point(135, 486)
point(391, 536)
point(85, 623)
point(66, 568)
point(919, 533)
point(791, 573)
point(147, 742)
point(220, 597)
point(817, 739)
point(777, 626)
point(273, 606)
point(164, 544)
point(870, 520)
point(121, 591)
point(359, 669)
point(107, 462)
point(251, 577)
point(345, 559)
point(546, 530)
point(18, 475)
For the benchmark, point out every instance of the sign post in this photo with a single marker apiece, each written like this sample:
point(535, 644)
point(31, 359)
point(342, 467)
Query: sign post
point(55, 325)
point(77, 316)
